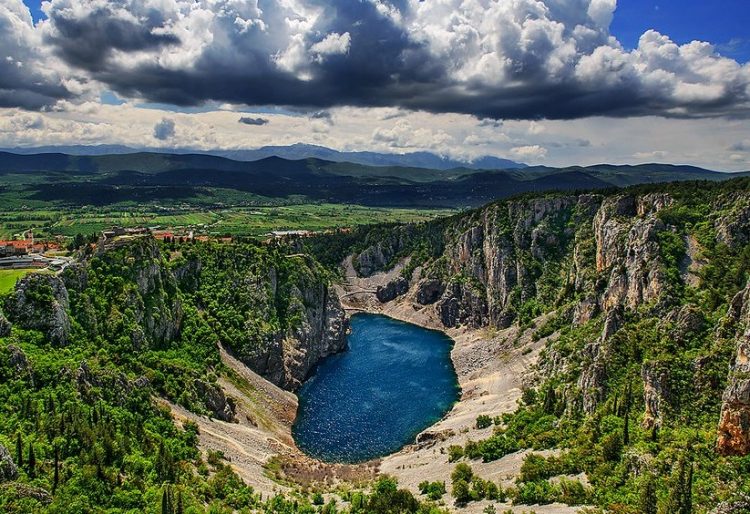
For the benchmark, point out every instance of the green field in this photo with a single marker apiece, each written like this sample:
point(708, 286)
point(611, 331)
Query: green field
point(8, 278)
point(239, 221)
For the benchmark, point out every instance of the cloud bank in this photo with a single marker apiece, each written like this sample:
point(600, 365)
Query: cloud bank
point(497, 59)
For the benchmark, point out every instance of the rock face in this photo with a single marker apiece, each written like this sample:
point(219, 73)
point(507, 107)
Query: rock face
point(656, 393)
point(500, 260)
point(5, 325)
point(392, 290)
point(384, 252)
point(593, 379)
point(429, 290)
point(40, 302)
point(462, 304)
point(733, 229)
point(216, 402)
point(8, 470)
point(321, 333)
point(287, 356)
point(734, 423)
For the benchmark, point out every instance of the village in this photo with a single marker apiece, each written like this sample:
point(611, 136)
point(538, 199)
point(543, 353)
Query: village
point(30, 254)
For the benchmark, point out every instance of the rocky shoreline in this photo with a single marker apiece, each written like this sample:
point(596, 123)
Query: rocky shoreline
point(491, 370)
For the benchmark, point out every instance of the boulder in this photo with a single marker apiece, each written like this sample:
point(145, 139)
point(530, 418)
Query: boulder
point(8, 469)
point(40, 302)
point(213, 397)
point(429, 291)
point(392, 290)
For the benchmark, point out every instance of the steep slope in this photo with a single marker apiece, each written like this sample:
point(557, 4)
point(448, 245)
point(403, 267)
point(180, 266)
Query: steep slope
point(643, 290)
point(90, 358)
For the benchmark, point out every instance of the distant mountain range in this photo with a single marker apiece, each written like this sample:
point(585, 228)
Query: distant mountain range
point(162, 178)
point(295, 152)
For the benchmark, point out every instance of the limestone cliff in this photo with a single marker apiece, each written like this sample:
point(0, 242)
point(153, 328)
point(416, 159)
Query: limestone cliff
point(513, 259)
point(734, 424)
point(40, 302)
point(599, 260)
point(290, 318)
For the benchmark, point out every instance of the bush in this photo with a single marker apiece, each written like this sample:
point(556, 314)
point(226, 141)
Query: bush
point(433, 490)
point(572, 492)
point(532, 493)
point(483, 421)
point(455, 453)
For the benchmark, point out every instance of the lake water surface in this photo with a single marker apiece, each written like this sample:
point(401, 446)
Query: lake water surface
point(395, 380)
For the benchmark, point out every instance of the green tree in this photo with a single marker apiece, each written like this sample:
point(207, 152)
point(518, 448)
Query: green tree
point(19, 449)
point(647, 503)
point(461, 491)
point(31, 461)
point(462, 471)
point(681, 494)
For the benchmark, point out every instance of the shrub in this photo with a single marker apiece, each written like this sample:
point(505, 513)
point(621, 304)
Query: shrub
point(483, 421)
point(433, 490)
point(455, 453)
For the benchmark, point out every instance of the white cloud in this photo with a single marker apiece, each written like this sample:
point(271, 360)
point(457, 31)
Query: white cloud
point(403, 135)
point(529, 152)
point(332, 44)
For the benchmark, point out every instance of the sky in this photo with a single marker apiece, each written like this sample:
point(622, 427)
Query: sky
point(555, 82)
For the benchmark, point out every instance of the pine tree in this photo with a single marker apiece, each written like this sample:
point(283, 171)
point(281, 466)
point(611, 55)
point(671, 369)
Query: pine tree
point(166, 507)
point(19, 449)
point(56, 478)
point(626, 429)
point(680, 496)
point(549, 401)
point(647, 501)
point(687, 500)
point(31, 460)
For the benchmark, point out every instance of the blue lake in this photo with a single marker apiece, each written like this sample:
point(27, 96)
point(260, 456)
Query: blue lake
point(395, 380)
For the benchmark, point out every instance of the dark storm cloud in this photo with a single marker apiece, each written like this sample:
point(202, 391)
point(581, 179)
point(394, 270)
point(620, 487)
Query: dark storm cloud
point(88, 41)
point(520, 60)
point(23, 80)
point(253, 121)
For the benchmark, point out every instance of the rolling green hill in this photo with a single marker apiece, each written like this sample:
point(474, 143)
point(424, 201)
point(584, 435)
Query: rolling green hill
point(59, 179)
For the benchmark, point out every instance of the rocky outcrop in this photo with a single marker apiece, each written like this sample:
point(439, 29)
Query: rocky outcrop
point(321, 333)
point(40, 302)
point(733, 227)
point(429, 291)
point(628, 249)
point(656, 393)
point(213, 397)
point(383, 252)
point(148, 301)
point(286, 358)
point(20, 364)
point(462, 305)
point(392, 290)
point(19, 491)
point(8, 469)
point(740, 505)
point(593, 379)
point(734, 422)
point(5, 325)
point(518, 254)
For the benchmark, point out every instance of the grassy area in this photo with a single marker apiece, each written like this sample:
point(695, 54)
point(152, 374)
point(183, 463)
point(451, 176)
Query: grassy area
point(8, 278)
point(242, 221)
